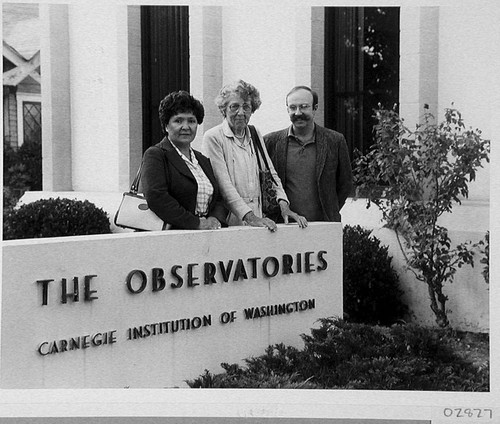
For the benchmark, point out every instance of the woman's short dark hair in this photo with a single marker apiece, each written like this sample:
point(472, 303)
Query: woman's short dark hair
point(245, 90)
point(179, 102)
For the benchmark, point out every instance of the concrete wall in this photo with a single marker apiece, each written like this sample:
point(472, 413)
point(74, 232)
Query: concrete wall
point(469, 294)
point(273, 53)
point(454, 70)
point(89, 288)
point(465, 69)
point(468, 305)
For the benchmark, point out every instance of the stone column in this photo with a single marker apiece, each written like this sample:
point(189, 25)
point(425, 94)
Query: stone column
point(419, 61)
point(86, 143)
point(55, 89)
point(98, 54)
point(206, 62)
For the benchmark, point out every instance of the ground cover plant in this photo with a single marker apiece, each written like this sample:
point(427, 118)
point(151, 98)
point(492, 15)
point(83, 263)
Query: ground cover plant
point(343, 355)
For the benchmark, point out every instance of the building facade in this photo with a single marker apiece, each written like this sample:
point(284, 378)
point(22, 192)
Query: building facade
point(21, 75)
point(93, 83)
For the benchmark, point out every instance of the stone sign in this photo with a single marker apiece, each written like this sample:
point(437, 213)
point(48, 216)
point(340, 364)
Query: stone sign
point(151, 310)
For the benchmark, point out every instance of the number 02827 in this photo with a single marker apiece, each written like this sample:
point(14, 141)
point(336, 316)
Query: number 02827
point(468, 413)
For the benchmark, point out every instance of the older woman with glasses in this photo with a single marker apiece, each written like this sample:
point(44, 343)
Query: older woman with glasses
point(235, 150)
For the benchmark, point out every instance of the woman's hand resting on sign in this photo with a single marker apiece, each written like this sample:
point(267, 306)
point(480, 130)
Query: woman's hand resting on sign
point(251, 219)
point(209, 223)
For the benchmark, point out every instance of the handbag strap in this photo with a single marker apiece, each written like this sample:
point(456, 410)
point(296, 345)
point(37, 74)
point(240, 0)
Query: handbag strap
point(260, 151)
point(135, 184)
point(134, 188)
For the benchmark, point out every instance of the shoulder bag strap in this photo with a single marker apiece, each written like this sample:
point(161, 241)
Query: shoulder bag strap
point(134, 188)
point(135, 184)
point(260, 151)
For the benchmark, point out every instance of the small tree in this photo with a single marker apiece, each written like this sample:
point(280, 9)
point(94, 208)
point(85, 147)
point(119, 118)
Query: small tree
point(421, 175)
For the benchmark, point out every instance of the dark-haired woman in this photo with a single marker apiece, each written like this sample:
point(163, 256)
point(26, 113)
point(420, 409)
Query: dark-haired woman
point(177, 181)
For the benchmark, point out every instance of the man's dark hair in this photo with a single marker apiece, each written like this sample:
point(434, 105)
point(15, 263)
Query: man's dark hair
point(303, 87)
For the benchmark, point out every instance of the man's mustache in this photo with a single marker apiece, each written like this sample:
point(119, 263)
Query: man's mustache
point(300, 117)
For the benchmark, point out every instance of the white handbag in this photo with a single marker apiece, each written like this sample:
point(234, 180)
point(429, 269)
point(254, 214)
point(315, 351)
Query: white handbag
point(134, 211)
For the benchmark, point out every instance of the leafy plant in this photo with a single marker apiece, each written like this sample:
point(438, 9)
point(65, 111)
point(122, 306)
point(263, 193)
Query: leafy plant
point(422, 174)
point(22, 171)
point(371, 285)
point(54, 218)
point(484, 246)
point(343, 355)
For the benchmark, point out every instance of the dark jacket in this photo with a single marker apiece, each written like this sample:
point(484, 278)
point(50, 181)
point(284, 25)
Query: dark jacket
point(333, 167)
point(171, 189)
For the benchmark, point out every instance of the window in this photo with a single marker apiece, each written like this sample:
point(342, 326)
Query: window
point(32, 122)
point(361, 69)
point(29, 116)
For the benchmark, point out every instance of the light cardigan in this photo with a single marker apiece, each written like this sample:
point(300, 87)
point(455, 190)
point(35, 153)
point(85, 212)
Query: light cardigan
point(218, 144)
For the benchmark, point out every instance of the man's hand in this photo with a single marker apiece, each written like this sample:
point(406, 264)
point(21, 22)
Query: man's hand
point(287, 213)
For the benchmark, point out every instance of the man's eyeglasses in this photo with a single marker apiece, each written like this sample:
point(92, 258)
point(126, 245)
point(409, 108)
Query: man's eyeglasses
point(235, 107)
point(294, 108)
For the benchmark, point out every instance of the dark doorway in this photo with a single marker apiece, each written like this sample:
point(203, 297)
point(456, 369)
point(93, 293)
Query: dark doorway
point(165, 61)
point(361, 69)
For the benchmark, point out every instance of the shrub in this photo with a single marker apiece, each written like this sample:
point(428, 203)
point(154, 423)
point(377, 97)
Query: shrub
point(343, 355)
point(54, 218)
point(22, 171)
point(276, 369)
point(371, 285)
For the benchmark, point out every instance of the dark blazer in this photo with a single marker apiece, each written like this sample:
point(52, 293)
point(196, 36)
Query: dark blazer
point(170, 188)
point(333, 167)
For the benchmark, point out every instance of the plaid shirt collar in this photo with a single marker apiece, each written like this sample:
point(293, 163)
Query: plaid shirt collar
point(193, 160)
point(205, 189)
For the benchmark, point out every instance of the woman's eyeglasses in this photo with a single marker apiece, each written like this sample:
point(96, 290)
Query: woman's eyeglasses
point(235, 107)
